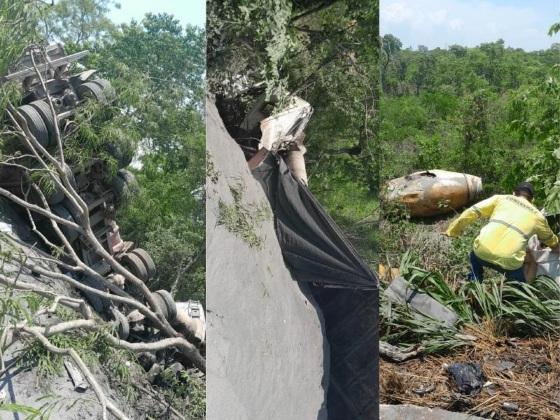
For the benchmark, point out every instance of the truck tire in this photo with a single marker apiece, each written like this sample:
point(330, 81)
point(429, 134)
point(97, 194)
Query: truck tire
point(161, 305)
point(44, 110)
point(36, 124)
point(90, 90)
point(147, 260)
point(61, 211)
point(171, 307)
point(57, 195)
point(121, 323)
point(108, 90)
point(136, 266)
point(124, 184)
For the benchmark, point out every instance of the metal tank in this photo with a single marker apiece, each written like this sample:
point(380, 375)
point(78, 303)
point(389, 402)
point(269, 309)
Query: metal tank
point(433, 192)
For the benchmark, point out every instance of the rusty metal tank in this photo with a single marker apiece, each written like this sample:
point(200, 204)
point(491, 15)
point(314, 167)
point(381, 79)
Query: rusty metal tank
point(433, 192)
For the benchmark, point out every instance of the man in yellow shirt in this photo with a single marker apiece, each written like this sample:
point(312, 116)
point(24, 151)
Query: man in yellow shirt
point(502, 242)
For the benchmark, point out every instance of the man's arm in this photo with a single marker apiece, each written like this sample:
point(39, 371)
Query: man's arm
point(484, 210)
point(546, 235)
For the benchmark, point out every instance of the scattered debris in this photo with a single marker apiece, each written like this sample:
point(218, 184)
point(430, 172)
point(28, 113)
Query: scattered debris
point(505, 365)
point(387, 273)
point(469, 377)
point(465, 337)
point(491, 388)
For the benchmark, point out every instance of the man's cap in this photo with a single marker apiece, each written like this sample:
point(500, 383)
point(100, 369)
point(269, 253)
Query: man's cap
point(525, 187)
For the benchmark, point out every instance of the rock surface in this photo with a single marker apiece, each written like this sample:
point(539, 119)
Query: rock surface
point(266, 355)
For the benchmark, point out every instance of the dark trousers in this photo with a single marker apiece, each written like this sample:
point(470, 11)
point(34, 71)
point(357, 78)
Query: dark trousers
point(477, 270)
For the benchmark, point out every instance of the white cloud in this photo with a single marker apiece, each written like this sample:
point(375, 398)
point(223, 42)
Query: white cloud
point(456, 24)
point(440, 23)
point(396, 12)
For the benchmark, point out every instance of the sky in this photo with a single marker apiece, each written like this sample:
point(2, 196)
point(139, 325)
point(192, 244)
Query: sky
point(440, 23)
point(187, 11)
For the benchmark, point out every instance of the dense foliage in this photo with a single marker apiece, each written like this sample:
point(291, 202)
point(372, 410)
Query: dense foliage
point(327, 53)
point(489, 110)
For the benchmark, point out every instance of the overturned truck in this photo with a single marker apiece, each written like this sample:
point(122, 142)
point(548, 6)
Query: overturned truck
point(51, 97)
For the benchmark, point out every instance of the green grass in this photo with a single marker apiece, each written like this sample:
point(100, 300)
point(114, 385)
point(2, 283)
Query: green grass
point(241, 218)
point(184, 392)
point(355, 210)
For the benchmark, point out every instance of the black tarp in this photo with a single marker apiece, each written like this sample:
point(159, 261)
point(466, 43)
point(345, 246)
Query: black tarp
point(344, 287)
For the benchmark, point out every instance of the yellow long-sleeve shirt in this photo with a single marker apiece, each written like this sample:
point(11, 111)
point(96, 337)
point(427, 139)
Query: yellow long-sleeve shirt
point(503, 240)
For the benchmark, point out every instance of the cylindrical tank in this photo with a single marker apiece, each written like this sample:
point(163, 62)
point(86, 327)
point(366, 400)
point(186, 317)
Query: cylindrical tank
point(433, 192)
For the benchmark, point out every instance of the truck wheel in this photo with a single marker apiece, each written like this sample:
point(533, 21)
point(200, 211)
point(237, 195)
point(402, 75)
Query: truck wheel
point(108, 90)
point(121, 153)
point(57, 195)
point(135, 265)
point(171, 307)
point(121, 323)
point(44, 111)
point(61, 211)
point(147, 260)
point(124, 184)
point(161, 305)
point(36, 124)
point(90, 90)
point(99, 303)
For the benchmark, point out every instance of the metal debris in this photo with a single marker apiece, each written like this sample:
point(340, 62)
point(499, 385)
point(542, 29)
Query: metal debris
point(424, 389)
point(505, 365)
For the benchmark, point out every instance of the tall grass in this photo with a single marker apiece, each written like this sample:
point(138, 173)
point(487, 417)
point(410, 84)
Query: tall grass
point(513, 309)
